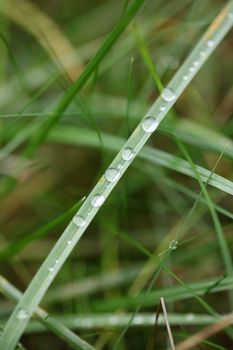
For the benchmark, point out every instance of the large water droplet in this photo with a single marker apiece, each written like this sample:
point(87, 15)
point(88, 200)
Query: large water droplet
point(127, 153)
point(168, 94)
point(112, 174)
point(210, 43)
point(79, 220)
point(149, 124)
point(173, 245)
point(97, 200)
point(22, 314)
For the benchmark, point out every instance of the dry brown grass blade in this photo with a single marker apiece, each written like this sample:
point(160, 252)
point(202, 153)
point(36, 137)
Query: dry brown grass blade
point(46, 31)
point(205, 333)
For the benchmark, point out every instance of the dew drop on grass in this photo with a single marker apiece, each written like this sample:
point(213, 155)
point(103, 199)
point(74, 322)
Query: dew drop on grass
point(56, 261)
point(51, 269)
point(112, 174)
point(97, 200)
point(162, 107)
point(127, 153)
point(210, 43)
point(168, 94)
point(173, 245)
point(189, 317)
point(202, 54)
point(195, 63)
point(149, 124)
point(22, 314)
point(191, 69)
point(79, 220)
point(69, 242)
point(120, 166)
point(185, 77)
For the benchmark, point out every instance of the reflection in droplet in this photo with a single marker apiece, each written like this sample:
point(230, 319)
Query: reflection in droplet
point(97, 200)
point(168, 94)
point(79, 220)
point(149, 124)
point(127, 153)
point(112, 174)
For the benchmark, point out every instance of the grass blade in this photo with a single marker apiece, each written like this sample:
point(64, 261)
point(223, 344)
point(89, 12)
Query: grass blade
point(53, 263)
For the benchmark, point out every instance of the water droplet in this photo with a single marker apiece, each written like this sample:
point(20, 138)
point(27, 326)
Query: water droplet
point(69, 241)
point(51, 269)
point(149, 124)
point(112, 174)
point(191, 69)
point(120, 166)
point(22, 314)
point(127, 153)
point(97, 200)
point(210, 43)
point(162, 107)
point(185, 77)
point(189, 317)
point(173, 245)
point(195, 63)
point(56, 261)
point(202, 54)
point(79, 220)
point(168, 94)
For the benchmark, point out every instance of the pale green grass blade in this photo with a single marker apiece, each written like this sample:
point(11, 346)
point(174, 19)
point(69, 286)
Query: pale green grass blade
point(46, 321)
point(78, 136)
point(77, 227)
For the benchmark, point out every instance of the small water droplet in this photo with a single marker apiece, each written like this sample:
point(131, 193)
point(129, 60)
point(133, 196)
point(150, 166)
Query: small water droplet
point(127, 153)
point(191, 69)
point(173, 245)
point(120, 166)
point(97, 200)
point(149, 124)
point(79, 220)
point(112, 174)
point(22, 314)
point(168, 94)
point(210, 43)
point(185, 77)
point(195, 63)
point(190, 317)
point(56, 261)
point(51, 269)
point(69, 241)
point(162, 107)
point(202, 54)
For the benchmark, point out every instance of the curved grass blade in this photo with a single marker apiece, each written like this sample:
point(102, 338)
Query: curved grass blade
point(53, 263)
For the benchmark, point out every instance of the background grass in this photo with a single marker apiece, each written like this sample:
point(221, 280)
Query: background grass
point(118, 256)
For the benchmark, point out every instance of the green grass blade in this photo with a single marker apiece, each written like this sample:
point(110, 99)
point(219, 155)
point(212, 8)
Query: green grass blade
point(45, 319)
point(85, 75)
point(64, 246)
